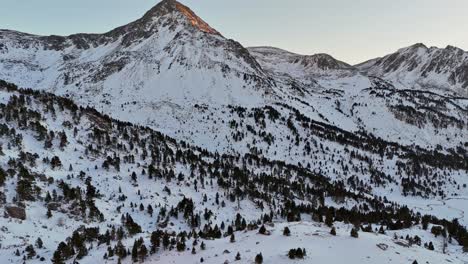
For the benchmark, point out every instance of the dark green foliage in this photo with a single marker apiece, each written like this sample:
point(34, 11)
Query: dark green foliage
point(55, 162)
point(132, 227)
point(25, 190)
point(430, 246)
point(259, 258)
point(297, 253)
point(30, 252)
point(49, 213)
point(3, 177)
point(39, 243)
point(181, 246)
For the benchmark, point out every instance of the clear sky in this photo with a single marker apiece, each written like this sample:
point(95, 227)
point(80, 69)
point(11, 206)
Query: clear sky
point(350, 30)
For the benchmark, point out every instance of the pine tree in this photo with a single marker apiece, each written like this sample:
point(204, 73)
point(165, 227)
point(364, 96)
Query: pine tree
point(56, 258)
point(329, 219)
point(30, 251)
point(354, 233)
point(24, 190)
point(333, 231)
point(135, 251)
point(259, 258)
point(431, 246)
point(82, 252)
point(262, 230)
point(233, 239)
point(150, 210)
point(166, 241)
point(49, 213)
point(181, 246)
point(55, 162)
point(63, 140)
point(381, 230)
point(286, 231)
point(3, 175)
point(48, 198)
point(120, 250)
point(143, 252)
point(238, 256)
point(299, 253)
point(39, 243)
point(465, 243)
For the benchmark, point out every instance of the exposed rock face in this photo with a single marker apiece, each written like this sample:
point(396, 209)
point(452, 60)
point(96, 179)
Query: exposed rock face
point(15, 212)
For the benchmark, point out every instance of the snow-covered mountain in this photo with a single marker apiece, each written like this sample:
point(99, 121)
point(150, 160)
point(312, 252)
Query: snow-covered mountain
point(297, 66)
point(158, 58)
point(419, 67)
point(255, 131)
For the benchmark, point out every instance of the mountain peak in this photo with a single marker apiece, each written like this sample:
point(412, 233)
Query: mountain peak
point(419, 45)
point(163, 8)
point(168, 7)
point(413, 48)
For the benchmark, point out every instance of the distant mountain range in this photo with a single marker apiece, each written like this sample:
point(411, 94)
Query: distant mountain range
point(421, 67)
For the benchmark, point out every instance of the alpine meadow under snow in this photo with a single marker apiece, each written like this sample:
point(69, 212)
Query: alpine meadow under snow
point(162, 141)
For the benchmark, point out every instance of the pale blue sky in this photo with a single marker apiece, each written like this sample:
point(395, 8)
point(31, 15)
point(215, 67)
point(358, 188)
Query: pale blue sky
point(350, 30)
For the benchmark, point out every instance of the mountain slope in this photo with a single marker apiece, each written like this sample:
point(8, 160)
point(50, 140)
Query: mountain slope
point(418, 66)
point(172, 72)
point(157, 58)
point(76, 185)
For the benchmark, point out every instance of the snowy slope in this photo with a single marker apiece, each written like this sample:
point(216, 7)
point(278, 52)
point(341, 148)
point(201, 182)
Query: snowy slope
point(171, 61)
point(320, 246)
point(170, 71)
point(110, 171)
